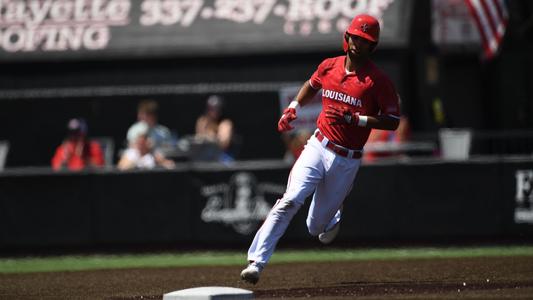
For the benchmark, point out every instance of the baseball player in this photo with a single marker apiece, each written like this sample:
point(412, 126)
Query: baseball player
point(356, 97)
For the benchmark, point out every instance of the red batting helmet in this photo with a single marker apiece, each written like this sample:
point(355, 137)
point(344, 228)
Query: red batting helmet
point(364, 26)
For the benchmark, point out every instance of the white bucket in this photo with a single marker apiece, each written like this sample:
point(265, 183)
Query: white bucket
point(455, 143)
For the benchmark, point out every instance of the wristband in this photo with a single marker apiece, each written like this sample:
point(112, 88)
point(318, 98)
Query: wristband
point(294, 104)
point(362, 121)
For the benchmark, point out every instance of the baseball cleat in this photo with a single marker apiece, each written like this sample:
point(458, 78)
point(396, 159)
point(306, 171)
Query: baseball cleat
point(328, 236)
point(251, 273)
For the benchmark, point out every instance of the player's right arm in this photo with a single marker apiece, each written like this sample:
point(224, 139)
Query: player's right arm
point(304, 96)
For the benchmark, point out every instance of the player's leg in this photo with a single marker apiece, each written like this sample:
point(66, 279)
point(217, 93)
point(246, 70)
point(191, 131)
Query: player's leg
point(303, 179)
point(325, 210)
point(305, 175)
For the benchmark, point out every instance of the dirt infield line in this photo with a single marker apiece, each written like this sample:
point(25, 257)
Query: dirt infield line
point(508, 278)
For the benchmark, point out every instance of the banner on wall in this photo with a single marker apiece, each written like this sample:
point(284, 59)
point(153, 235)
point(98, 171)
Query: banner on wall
point(62, 29)
point(242, 203)
point(452, 24)
point(524, 197)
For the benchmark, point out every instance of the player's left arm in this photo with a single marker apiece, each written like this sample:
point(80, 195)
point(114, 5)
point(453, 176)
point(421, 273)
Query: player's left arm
point(344, 116)
point(389, 106)
point(383, 122)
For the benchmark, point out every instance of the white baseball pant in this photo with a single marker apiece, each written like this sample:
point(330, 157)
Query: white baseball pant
point(319, 170)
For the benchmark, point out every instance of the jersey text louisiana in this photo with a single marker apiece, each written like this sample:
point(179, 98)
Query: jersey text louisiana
point(333, 95)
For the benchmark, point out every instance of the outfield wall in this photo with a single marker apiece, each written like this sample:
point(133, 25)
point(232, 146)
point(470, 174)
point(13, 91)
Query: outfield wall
point(215, 204)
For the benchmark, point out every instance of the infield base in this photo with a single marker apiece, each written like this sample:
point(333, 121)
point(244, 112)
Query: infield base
point(210, 293)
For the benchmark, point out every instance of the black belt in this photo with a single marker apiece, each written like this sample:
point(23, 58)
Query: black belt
point(338, 149)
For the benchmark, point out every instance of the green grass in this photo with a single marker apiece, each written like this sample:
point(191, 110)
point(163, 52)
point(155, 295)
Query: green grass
point(93, 262)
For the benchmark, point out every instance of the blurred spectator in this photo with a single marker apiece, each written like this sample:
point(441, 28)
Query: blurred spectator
point(77, 151)
point(212, 127)
point(141, 154)
point(384, 142)
point(147, 113)
point(295, 142)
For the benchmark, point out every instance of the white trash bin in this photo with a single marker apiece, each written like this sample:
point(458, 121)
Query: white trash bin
point(455, 143)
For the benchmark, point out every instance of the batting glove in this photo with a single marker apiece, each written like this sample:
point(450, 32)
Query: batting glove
point(289, 115)
point(341, 116)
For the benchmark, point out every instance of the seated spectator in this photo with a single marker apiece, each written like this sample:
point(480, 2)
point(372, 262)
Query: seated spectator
point(295, 142)
point(387, 139)
point(141, 154)
point(213, 127)
point(147, 113)
point(77, 151)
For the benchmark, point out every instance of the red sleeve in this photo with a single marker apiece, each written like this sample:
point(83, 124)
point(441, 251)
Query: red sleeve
point(387, 98)
point(97, 156)
point(316, 78)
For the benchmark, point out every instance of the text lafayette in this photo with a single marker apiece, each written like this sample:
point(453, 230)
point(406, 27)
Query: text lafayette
point(59, 24)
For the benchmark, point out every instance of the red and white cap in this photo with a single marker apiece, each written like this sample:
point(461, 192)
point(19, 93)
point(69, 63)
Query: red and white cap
point(364, 26)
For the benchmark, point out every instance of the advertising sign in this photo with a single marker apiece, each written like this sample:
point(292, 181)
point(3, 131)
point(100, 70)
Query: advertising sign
point(63, 29)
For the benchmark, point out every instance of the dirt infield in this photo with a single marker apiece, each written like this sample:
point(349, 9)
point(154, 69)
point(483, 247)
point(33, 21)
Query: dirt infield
point(467, 278)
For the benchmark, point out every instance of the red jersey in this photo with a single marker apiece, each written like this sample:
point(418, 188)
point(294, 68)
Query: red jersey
point(368, 91)
point(77, 156)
